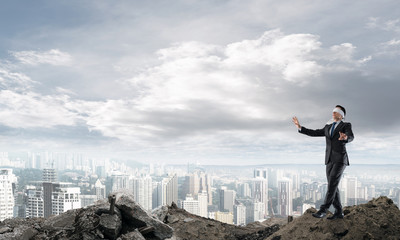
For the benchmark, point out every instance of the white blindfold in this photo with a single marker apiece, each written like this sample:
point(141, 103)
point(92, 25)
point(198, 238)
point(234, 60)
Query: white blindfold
point(338, 110)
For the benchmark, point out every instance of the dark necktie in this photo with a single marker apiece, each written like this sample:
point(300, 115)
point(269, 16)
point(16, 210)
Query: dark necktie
point(333, 128)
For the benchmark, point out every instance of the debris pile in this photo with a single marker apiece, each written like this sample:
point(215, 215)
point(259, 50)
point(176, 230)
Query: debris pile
point(121, 218)
point(377, 219)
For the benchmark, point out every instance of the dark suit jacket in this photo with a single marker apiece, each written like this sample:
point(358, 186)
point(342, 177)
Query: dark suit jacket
point(335, 149)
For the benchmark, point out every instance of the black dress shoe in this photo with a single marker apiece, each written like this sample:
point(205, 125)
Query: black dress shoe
point(336, 216)
point(319, 214)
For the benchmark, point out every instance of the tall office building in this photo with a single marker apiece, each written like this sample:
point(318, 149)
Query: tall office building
point(51, 198)
point(285, 200)
point(352, 190)
point(273, 175)
point(258, 211)
point(157, 194)
point(203, 205)
point(100, 190)
point(169, 188)
point(244, 190)
point(227, 199)
point(260, 173)
point(119, 181)
point(35, 201)
point(260, 192)
point(198, 182)
point(48, 178)
point(60, 197)
point(362, 193)
point(239, 214)
point(142, 191)
point(49, 175)
point(191, 205)
point(65, 197)
point(7, 187)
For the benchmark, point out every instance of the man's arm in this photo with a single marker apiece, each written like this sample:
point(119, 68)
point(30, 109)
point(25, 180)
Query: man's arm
point(347, 135)
point(312, 132)
point(309, 132)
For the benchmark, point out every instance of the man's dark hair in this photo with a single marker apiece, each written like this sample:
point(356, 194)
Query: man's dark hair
point(344, 110)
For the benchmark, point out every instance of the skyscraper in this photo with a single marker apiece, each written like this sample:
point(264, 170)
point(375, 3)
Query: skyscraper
point(239, 214)
point(7, 186)
point(169, 190)
point(65, 197)
point(119, 181)
point(198, 182)
point(203, 206)
point(227, 199)
point(100, 190)
point(49, 175)
point(258, 210)
point(352, 190)
point(142, 191)
point(35, 200)
point(191, 205)
point(285, 200)
point(260, 192)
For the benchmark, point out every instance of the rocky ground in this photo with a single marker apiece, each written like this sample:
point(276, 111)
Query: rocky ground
point(189, 226)
point(121, 218)
point(377, 219)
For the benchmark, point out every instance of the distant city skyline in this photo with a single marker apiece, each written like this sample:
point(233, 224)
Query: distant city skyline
point(208, 82)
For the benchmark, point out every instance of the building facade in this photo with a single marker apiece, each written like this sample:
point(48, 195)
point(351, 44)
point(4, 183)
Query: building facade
point(7, 188)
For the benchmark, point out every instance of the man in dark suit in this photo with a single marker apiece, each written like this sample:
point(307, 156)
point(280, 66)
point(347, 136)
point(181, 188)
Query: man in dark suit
point(337, 134)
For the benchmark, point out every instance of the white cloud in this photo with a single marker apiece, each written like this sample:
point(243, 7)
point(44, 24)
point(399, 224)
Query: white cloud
point(196, 86)
point(392, 42)
point(10, 79)
point(390, 48)
point(32, 110)
point(392, 25)
point(282, 53)
point(52, 57)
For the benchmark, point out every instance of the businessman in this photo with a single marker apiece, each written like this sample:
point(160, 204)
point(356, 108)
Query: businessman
point(337, 133)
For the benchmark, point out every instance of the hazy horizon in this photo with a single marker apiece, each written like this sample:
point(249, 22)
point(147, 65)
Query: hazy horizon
point(208, 82)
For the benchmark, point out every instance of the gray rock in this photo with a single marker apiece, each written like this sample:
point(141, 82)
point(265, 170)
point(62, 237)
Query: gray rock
point(172, 218)
point(160, 213)
point(138, 217)
point(89, 220)
point(5, 229)
point(20, 233)
point(61, 222)
point(134, 235)
point(110, 225)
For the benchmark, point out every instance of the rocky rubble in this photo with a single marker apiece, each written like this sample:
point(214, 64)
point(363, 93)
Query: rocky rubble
point(189, 226)
point(122, 219)
point(377, 219)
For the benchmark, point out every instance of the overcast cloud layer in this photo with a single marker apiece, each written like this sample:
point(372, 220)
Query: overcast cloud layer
point(215, 82)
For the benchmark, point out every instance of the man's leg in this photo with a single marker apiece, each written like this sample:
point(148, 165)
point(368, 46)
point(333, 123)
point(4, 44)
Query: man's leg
point(334, 173)
point(336, 201)
point(322, 209)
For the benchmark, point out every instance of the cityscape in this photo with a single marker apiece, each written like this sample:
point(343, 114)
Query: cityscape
point(42, 184)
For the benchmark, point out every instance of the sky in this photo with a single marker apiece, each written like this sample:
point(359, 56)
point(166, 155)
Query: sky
point(212, 82)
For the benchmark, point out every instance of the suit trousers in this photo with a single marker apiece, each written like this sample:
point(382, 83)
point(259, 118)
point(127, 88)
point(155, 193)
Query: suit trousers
point(334, 172)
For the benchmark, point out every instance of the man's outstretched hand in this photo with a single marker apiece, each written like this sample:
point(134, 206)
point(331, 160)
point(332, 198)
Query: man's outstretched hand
point(296, 122)
point(343, 136)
